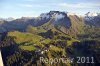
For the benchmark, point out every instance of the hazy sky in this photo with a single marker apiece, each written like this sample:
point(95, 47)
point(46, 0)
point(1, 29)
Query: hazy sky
point(19, 8)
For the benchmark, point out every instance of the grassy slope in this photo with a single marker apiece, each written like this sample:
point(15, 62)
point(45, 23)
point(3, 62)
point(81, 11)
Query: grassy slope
point(30, 38)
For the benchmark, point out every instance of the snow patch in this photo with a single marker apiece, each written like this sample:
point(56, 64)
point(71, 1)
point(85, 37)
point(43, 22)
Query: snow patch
point(58, 16)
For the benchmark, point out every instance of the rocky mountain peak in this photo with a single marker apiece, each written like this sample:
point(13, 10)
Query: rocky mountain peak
point(53, 14)
point(90, 14)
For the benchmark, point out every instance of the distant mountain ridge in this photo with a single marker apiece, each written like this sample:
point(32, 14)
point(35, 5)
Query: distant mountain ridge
point(64, 21)
point(92, 19)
